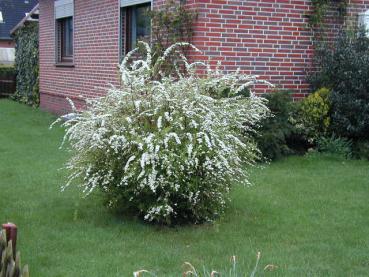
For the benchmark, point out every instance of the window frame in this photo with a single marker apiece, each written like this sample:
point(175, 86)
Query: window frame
point(363, 21)
point(63, 14)
point(126, 21)
point(61, 29)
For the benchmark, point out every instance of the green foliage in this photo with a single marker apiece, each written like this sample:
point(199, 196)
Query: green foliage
point(313, 118)
point(345, 70)
point(26, 64)
point(276, 130)
point(10, 267)
point(171, 24)
point(335, 145)
point(6, 71)
point(320, 9)
point(219, 91)
point(361, 149)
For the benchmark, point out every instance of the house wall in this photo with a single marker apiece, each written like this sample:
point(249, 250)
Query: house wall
point(7, 52)
point(270, 38)
point(96, 54)
point(7, 44)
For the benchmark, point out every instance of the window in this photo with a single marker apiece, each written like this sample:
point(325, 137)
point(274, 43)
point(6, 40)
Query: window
point(1, 18)
point(64, 12)
point(364, 21)
point(65, 39)
point(136, 25)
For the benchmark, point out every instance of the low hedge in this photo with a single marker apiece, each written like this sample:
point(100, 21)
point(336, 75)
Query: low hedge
point(6, 72)
point(7, 80)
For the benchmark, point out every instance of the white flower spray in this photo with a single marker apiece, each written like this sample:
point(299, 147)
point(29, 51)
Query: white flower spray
point(167, 146)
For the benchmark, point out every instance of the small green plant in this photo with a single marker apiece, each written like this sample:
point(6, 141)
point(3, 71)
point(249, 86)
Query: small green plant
point(10, 267)
point(335, 145)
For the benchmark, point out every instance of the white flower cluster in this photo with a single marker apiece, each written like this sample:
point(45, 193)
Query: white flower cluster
point(165, 145)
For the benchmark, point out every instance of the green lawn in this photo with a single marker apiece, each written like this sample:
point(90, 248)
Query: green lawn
point(307, 215)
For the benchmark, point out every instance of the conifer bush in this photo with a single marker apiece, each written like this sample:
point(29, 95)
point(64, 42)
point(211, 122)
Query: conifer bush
point(313, 117)
point(161, 145)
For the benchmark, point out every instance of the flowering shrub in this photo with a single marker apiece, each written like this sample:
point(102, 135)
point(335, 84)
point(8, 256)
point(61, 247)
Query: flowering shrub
point(160, 145)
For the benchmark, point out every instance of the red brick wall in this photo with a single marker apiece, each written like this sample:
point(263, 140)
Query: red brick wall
point(355, 7)
point(96, 53)
point(7, 44)
point(270, 38)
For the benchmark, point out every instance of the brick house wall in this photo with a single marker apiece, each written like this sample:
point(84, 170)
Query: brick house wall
point(96, 54)
point(7, 44)
point(7, 52)
point(270, 38)
point(267, 38)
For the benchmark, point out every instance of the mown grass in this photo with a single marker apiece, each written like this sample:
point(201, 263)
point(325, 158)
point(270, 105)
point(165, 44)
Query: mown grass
point(309, 216)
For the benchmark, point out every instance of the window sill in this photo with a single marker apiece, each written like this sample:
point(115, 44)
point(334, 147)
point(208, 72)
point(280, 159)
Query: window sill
point(64, 64)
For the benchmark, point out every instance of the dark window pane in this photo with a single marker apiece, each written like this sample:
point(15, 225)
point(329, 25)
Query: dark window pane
point(137, 25)
point(65, 39)
point(68, 37)
point(143, 24)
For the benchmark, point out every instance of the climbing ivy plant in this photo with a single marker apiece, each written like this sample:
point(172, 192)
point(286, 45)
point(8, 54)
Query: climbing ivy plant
point(26, 64)
point(321, 8)
point(171, 24)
